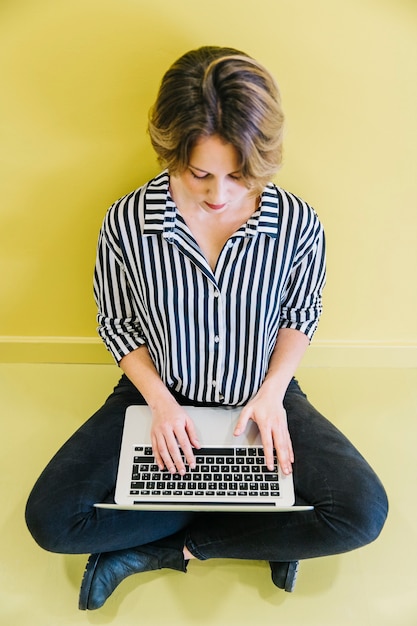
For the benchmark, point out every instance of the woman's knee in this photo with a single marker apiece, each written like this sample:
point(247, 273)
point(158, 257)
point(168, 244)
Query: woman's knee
point(40, 525)
point(371, 511)
point(359, 513)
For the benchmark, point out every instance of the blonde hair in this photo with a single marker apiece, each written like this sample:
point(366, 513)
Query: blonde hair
point(223, 92)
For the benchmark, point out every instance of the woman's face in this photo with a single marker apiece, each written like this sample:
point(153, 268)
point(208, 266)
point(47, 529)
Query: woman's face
point(212, 181)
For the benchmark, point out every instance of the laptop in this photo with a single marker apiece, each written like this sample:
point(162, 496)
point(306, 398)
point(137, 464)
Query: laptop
point(230, 473)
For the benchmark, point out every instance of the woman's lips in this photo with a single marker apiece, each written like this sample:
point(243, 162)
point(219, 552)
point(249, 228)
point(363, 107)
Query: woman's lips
point(215, 207)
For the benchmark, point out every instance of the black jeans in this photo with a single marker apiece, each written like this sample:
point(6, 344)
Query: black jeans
point(350, 501)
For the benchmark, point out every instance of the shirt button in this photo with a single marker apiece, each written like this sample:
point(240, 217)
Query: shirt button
point(216, 294)
point(213, 384)
point(216, 339)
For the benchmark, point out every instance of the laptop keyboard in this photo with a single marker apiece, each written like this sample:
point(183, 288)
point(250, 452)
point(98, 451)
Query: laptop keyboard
point(219, 472)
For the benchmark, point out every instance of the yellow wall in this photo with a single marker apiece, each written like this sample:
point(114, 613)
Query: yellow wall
point(77, 81)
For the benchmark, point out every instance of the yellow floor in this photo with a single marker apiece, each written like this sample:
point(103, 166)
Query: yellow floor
point(375, 586)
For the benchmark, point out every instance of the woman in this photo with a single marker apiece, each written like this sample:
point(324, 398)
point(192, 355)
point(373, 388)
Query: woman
point(208, 283)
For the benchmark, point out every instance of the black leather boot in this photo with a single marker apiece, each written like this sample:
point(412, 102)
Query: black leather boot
point(106, 570)
point(284, 574)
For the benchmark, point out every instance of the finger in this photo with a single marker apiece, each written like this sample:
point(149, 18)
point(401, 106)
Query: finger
point(285, 453)
point(268, 446)
point(192, 434)
point(168, 452)
point(187, 450)
point(176, 455)
point(158, 458)
point(242, 422)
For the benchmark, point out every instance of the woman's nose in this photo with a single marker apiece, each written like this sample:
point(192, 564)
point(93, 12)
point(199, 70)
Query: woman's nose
point(217, 191)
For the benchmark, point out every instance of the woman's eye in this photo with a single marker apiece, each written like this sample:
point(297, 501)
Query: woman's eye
point(198, 177)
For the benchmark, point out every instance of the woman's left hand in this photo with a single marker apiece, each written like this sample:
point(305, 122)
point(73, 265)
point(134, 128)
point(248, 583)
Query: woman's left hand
point(271, 419)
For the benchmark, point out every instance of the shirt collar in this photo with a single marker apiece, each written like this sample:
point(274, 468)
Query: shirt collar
point(161, 212)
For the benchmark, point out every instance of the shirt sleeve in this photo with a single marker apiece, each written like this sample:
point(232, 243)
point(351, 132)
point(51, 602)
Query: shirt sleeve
point(119, 326)
point(301, 304)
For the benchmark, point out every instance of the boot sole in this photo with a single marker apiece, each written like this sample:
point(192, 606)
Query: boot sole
point(87, 580)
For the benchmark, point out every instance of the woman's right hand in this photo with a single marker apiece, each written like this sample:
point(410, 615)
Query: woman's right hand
point(172, 429)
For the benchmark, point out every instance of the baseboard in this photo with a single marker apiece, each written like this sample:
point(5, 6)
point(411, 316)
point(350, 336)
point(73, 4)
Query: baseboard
point(340, 353)
point(53, 350)
point(322, 353)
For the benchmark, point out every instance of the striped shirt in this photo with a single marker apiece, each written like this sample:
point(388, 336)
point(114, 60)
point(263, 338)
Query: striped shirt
point(209, 334)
